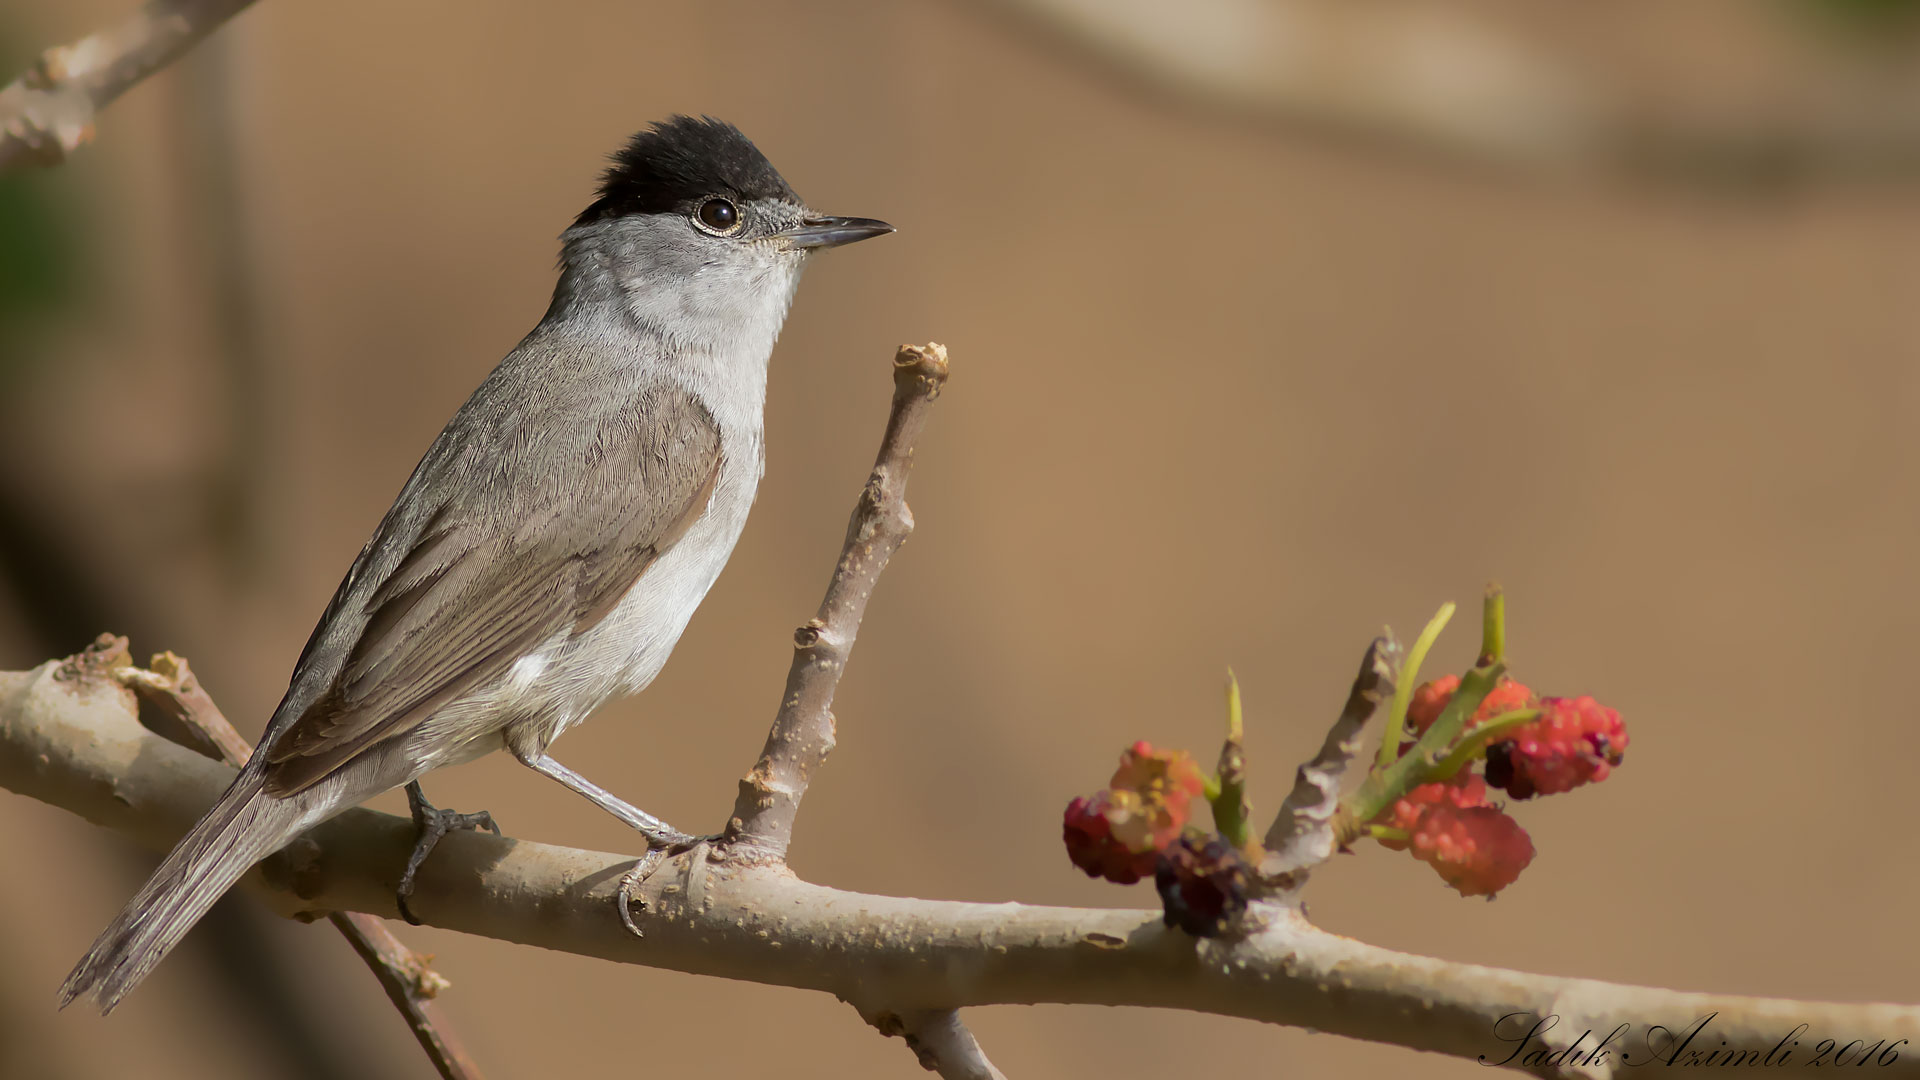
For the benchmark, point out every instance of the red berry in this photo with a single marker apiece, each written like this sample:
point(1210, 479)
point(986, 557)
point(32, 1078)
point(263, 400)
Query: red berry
point(1431, 698)
point(1476, 849)
point(1507, 696)
point(1088, 831)
point(1465, 789)
point(1576, 741)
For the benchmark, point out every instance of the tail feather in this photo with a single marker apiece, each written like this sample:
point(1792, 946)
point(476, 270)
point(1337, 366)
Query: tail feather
point(245, 826)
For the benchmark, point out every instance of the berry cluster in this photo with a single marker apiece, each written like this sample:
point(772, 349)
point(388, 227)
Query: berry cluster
point(1534, 746)
point(1137, 827)
point(1426, 793)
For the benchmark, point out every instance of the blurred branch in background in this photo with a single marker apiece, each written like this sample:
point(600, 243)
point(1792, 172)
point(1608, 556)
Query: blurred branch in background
point(1430, 78)
point(239, 483)
point(50, 110)
point(1445, 82)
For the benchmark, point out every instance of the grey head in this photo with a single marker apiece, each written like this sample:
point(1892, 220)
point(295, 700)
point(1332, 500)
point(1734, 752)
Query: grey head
point(700, 236)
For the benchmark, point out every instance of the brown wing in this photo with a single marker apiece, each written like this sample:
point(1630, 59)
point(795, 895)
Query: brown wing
point(495, 555)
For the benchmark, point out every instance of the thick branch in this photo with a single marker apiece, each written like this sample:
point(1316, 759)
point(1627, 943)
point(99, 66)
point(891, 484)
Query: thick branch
point(802, 734)
point(72, 741)
point(49, 111)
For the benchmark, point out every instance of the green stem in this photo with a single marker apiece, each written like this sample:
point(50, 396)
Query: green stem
point(1228, 794)
point(1403, 686)
point(1235, 724)
point(1493, 626)
point(1383, 786)
point(1474, 746)
point(1388, 832)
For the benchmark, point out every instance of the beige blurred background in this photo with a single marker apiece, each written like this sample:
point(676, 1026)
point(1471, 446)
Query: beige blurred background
point(1227, 390)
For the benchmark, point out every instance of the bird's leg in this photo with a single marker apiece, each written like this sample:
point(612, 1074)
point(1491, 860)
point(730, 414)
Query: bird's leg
point(432, 823)
point(662, 839)
point(659, 834)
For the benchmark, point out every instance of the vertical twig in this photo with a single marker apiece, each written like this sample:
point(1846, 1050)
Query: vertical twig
point(1303, 834)
point(802, 736)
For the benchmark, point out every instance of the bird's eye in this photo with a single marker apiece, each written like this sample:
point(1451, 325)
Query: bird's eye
point(719, 216)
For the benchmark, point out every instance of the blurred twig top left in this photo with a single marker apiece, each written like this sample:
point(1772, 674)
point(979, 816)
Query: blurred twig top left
point(48, 111)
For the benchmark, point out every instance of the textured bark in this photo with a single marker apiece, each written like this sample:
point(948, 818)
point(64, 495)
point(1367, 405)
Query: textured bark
point(1303, 834)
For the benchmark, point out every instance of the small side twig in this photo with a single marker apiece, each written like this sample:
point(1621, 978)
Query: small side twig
point(411, 985)
point(761, 827)
point(941, 1042)
point(1302, 835)
point(177, 707)
point(46, 113)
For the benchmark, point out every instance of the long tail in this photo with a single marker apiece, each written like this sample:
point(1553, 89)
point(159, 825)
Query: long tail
point(243, 827)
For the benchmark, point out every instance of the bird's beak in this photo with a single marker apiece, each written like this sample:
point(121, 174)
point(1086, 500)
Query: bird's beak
point(821, 231)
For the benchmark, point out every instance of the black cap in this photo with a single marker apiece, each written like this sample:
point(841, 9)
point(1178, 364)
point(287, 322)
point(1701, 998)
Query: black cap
point(680, 160)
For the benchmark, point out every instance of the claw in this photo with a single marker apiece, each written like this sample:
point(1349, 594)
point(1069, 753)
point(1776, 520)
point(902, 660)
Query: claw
point(644, 868)
point(432, 823)
point(633, 879)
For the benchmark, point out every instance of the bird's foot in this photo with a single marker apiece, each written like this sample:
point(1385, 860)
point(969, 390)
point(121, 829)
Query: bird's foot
point(659, 850)
point(432, 823)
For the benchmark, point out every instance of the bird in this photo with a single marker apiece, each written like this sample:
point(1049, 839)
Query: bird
point(551, 546)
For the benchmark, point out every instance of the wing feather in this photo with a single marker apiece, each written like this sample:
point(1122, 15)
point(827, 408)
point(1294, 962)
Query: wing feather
point(517, 548)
